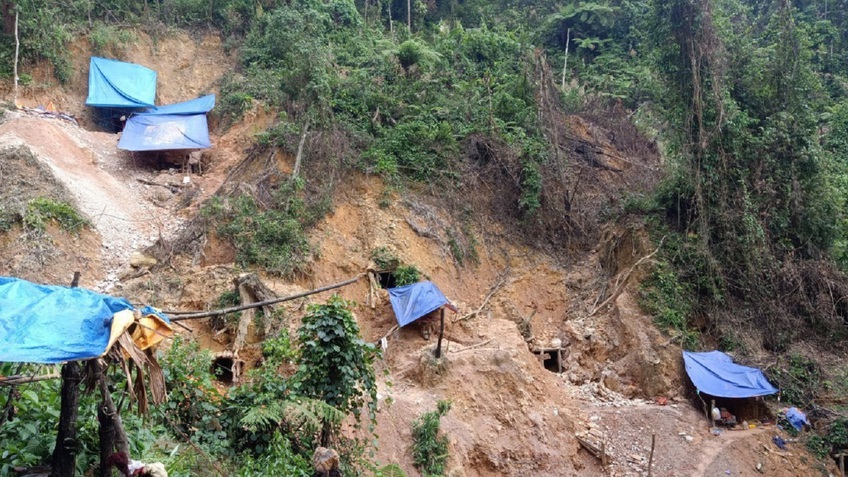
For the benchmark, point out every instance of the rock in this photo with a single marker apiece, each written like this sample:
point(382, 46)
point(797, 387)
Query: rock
point(325, 460)
point(139, 260)
point(689, 438)
point(556, 343)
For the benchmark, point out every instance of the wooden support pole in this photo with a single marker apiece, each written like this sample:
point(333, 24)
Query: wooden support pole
point(604, 453)
point(441, 333)
point(64, 454)
point(842, 464)
point(193, 315)
point(712, 420)
point(113, 438)
point(651, 456)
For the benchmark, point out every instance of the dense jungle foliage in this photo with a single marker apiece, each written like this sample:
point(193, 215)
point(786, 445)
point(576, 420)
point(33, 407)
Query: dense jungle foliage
point(745, 99)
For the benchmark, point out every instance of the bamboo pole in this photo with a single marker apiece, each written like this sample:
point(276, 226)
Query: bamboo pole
point(193, 315)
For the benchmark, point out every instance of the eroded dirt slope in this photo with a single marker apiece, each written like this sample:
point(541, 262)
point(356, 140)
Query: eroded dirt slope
point(510, 415)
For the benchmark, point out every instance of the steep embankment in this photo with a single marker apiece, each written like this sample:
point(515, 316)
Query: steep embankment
point(511, 415)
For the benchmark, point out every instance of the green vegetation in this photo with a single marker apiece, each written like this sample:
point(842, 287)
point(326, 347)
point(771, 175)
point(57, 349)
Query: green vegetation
point(406, 275)
point(40, 211)
point(269, 425)
point(387, 261)
point(272, 234)
point(429, 447)
point(747, 102)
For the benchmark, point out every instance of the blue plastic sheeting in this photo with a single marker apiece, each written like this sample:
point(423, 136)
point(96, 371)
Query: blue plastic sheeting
point(200, 105)
point(716, 374)
point(53, 324)
point(117, 84)
point(797, 418)
point(411, 302)
point(151, 132)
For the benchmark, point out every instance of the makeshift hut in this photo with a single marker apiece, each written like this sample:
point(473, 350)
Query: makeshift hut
point(171, 132)
point(733, 389)
point(418, 300)
point(56, 324)
point(117, 89)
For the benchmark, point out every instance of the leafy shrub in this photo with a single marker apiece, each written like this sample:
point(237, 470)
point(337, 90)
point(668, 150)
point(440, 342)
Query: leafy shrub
point(800, 380)
point(193, 407)
point(429, 447)
point(385, 259)
point(406, 275)
point(669, 300)
point(336, 365)
point(107, 39)
point(273, 238)
point(278, 459)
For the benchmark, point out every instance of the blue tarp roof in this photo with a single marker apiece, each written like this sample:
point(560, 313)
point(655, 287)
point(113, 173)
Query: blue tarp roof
point(201, 105)
point(716, 374)
point(154, 132)
point(117, 84)
point(413, 301)
point(53, 324)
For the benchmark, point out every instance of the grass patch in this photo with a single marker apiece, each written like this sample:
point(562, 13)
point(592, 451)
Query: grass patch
point(40, 211)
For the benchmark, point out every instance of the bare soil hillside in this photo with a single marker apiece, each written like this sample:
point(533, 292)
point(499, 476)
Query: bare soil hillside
point(511, 414)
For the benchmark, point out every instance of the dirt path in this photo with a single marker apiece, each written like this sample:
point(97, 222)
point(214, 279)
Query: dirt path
point(103, 182)
point(712, 448)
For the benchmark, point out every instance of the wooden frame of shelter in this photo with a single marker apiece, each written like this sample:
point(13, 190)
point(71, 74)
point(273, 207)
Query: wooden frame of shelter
point(92, 371)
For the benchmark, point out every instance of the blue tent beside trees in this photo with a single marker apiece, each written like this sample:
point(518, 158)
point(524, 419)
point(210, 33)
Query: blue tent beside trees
point(177, 126)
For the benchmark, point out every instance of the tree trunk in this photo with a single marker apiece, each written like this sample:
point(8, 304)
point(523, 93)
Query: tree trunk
point(409, 15)
point(565, 63)
point(299, 157)
point(17, 50)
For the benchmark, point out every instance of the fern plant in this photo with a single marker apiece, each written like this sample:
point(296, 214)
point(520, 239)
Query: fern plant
point(307, 415)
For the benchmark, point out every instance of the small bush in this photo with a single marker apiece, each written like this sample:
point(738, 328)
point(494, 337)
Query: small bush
point(800, 380)
point(406, 275)
point(193, 407)
point(385, 259)
point(429, 447)
point(108, 39)
point(272, 237)
point(669, 300)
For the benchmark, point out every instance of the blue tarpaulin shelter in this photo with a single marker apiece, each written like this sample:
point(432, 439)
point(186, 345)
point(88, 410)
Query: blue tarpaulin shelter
point(716, 374)
point(170, 127)
point(54, 324)
point(155, 132)
point(411, 302)
point(115, 84)
point(201, 105)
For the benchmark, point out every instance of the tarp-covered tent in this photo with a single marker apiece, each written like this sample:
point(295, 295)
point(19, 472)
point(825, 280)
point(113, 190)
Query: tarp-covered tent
point(170, 127)
point(115, 84)
point(411, 302)
point(716, 374)
point(153, 132)
point(201, 105)
point(54, 324)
